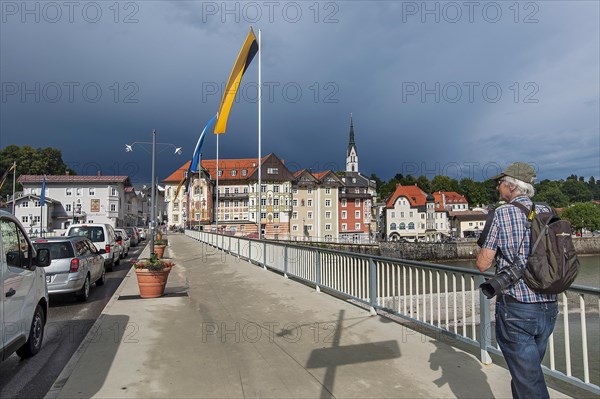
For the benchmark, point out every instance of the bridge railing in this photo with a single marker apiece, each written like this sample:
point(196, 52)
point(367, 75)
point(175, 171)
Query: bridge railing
point(434, 298)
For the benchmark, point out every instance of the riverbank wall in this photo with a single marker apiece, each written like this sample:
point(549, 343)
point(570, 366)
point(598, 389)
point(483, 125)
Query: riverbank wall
point(424, 251)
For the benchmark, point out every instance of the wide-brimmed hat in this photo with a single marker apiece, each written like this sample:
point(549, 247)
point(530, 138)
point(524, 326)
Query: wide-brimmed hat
point(518, 170)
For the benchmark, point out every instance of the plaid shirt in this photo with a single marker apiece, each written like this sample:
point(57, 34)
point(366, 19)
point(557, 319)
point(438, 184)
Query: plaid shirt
point(505, 235)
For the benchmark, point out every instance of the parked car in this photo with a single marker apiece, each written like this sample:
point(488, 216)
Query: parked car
point(142, 232)
point(124, 242)
point(103, 236)
point(24, 299)
point(134, 237)
point(76, 265)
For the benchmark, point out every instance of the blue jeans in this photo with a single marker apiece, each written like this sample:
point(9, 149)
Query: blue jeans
point(522, 331)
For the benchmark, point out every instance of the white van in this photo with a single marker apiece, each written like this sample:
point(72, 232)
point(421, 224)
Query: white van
point(24, 299)
point(103, 236)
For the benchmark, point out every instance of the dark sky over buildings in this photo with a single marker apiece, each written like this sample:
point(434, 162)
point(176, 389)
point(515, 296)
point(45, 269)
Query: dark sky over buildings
point(456, 88)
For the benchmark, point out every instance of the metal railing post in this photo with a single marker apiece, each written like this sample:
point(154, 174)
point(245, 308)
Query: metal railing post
point(285, 261)
point(265, 255)
point(485, 333)
point(372, 286)
point(318, 270)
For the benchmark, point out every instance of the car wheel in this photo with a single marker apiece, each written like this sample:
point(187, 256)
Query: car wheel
point(36, 335)
point(84, 293)
point(102, 278)
point(111, 265)
point(118, 259)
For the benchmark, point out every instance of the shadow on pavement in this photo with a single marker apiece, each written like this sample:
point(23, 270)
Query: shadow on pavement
point(462, 372)
point(99, 349)
point(337, 355)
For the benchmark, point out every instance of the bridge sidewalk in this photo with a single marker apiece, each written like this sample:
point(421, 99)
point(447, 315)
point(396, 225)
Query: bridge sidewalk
point(228, 329)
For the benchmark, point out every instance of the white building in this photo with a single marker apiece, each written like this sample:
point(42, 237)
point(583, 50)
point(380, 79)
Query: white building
point(411, 214)
point(74, 199)
point(406, 214)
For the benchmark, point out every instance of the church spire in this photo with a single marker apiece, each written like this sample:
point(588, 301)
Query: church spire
point(352, 143)
point(351, 152)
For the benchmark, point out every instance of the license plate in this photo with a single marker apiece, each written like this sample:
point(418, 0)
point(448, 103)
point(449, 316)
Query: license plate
point(48, 279)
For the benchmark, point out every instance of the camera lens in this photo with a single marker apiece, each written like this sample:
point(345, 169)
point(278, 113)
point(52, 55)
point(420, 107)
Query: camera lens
point(501, 281)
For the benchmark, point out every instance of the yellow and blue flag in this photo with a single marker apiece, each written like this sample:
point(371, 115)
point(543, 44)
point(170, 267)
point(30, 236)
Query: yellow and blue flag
point(5, 175)
point(194, 165)
point(247, 53)
point(43, 195)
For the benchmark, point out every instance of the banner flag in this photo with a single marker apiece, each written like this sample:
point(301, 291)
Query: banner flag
point(5, 175)
point(43, 194)
point(194, 166)
point(247, 53)
point(179, 186)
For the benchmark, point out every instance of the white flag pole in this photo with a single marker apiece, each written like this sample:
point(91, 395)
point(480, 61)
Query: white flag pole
point(217, 205)
point(259, 136)
point(14, 186)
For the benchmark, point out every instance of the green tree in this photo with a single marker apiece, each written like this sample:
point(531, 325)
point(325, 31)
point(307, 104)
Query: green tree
point(553, 196)
point(377, 180)
point(572, 177)
point(31, 161)
point(388, 189)
point(576, 190)
point(408, 180)
point(491, 192)
point(424, 183)
point(583, 215)
point(475, 192)
point(444, 183)
point(594, 187)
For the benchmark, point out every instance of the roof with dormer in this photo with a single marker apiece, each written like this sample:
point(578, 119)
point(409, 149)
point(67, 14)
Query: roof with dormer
point(468, 215)
point(444, 199)
point(304, 175)
point(414, 194)
point(328, 177)
point(35, 198)
point(237, 170)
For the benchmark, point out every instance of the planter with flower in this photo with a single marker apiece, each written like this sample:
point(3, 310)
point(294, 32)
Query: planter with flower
point(159, 248)
point(152, 275)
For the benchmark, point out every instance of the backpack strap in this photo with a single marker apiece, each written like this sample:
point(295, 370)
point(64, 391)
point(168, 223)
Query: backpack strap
point(530, 214)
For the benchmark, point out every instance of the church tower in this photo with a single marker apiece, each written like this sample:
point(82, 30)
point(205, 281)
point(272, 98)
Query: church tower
point(351, 152)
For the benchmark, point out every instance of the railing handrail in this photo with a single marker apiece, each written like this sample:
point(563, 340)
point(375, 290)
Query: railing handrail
point(376, 281)
point(428, 265)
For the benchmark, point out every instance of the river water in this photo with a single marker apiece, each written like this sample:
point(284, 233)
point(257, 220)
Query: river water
point(589, 272)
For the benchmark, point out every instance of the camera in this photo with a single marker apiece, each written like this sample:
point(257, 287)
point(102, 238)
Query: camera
point(502, 280)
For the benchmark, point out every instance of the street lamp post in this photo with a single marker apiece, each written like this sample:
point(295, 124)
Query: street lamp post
point(129, 148)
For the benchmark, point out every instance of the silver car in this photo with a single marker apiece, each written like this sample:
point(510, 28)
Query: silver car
point(124, 242)
point(76, 264)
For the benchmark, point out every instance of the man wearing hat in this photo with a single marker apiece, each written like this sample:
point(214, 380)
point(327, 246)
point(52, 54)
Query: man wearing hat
point(524, 318)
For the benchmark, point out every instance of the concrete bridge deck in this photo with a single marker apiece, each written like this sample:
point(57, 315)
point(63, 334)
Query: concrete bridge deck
point(229, 329)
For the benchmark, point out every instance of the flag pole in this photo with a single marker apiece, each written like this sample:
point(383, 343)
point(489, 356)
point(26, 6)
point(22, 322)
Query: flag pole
point(259, 136)
point(42, 202)
point(14, 185)
point(217, 204)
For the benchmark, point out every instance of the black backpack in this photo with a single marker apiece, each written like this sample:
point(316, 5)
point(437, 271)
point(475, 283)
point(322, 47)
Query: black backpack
point(552, 265)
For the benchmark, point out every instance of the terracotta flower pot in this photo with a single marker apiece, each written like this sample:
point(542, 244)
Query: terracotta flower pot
point(152, 282)
point(159, 250)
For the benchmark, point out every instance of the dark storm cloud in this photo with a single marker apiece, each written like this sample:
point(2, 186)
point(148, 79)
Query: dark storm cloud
point(447, 89)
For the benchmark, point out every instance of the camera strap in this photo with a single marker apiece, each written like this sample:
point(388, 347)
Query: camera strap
point(529, 218)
